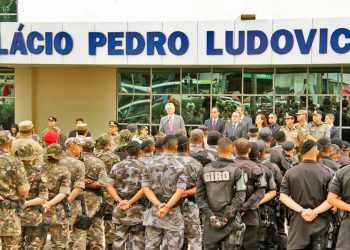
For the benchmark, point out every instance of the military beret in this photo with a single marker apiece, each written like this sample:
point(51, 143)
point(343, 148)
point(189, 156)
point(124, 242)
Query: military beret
point(81, 126)
point(104, 139)
point(5, 136)
point(338, 142)
point(169, 138)
point(253, 130)
point(132, 127)
point(287, 145)
point(123, 138)
point(25, 125)
point(261, 145)
point(25, 152)
point(159, 143)
point(183, 140)
point(71, 142)
point(52, 118)
point(265, 132)
point(324, 141)
point(87, 142)
point(51, 137)
point(336, 147)
point(132, 144)
point(280, 136)
point(346, 145)
point(203, 128)
point(287, 115)
point(146, 143)
point(307, 145)
point(55, 151)
point(317, 112)
point(113, 123)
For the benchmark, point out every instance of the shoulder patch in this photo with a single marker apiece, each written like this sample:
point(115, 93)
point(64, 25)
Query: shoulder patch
point(43, 178)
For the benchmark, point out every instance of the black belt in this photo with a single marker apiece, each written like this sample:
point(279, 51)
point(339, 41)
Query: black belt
point(8, 204)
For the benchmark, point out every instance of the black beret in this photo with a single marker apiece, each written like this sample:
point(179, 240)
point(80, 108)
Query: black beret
point(159, 143)
point(324, 141)
point(287, 145)
point(169, 138)
point(132, 127)
point(264, 133)
point(307, 145)
point(346, 145)
point(254, 150)
point(146, 143)
point(253, 130)
point(182, 140)
point(280, 136)
point(112, 123)
point(338, 142)
point(203, 128)
point(132, 144)
point(261, 145)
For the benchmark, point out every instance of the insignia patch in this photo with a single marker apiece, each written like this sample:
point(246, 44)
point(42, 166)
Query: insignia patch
point(22, 169)
point(43, 179)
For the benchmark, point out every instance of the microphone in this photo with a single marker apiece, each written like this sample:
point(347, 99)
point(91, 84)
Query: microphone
point(161, 127)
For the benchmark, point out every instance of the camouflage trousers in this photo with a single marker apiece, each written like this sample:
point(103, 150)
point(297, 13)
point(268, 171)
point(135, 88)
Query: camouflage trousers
point(95, 234)
point(59, 236)
point(129, 237)
point(77, 237)
point(193, 235)
point(154, 237)
point(10, 242)
point(109, 229)
point(32, 238)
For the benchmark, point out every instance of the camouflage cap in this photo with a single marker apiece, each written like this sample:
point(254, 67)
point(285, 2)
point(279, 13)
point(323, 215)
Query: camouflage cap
point(71, 142)
point(25, 125)
point(87, 142)
point(25, 152)
point(55, 151)
point(104, 139)
point(123, 138)
point(81, 126)
point(5, 136)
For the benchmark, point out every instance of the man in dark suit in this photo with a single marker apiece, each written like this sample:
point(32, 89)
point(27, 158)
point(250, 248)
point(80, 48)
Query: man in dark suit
point(171, 123)
point(245, 120)
point(234, 128)
point(329, 120)
point(74, 133)
point(215, 123)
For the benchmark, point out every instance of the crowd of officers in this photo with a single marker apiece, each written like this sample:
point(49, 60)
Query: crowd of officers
point(205, 191)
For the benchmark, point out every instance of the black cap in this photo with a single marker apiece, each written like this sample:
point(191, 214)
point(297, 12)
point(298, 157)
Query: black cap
point(132, 144)
point(52, 118)
point(112, 123)
point(346, 145)
point(287, 145)
point(323, 142)
point(146, 143)
point(182, 140)
point(307, 145)
point(159, 143)
point(338, 142)
point(253, 130)
point(280, 136)
point(264, 133)
point(169, 138)
point(203, 128)
point(132, 127)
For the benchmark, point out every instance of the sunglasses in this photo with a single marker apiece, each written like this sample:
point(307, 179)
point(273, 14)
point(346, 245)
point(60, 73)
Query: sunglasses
point(289, 118)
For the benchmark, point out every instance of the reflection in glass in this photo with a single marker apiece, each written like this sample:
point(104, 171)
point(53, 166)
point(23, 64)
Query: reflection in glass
point(256, 104)
point(258, 81)
point(166, 81)
point(345, 134)
point(324, 80)
point(226, 104)
point(227, 81)
point(7, 112)
point(290, 81)
point(288, 104)
point(8, 18)
point(134, 81)
point(195, 109)
point(158, 106)
point(133, 109)
point(196, 81)
point(327, 104)
point(7, 85)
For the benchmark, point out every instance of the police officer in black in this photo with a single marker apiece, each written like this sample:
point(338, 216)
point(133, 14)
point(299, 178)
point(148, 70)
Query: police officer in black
point(220, 194)
point(304, 190)
point(256, 185)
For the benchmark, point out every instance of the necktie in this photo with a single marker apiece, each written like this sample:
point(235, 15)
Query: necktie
point(214, 124)
point(171, 124)
point(234, 128)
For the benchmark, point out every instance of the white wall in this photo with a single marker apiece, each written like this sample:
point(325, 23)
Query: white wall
point(179, 10)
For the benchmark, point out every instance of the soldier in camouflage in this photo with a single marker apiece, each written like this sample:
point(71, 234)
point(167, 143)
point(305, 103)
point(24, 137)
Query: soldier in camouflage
point(147, 148)
point(59, 183)
point(122, 139)
point(95, 179)
point(164, 182)
point(14, 188)
point(104, 144)
point(77, 237)
point(32, 218)
point(113, 131)
point(124, 185)
point(190, 211)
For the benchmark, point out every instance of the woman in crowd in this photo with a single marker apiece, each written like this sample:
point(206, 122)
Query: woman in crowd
point(260, 121)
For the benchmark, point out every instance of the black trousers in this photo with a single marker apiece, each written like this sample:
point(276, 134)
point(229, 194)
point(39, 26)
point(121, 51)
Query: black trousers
point(251, 238)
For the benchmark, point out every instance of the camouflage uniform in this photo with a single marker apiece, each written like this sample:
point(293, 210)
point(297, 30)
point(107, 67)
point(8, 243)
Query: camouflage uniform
point(164, 174)
point(146, 158)
point(109, 159)
point(122, 140)
point(190, 210)
point(126, 178)
point(94, 170)
point(13, 180)
point(204, 156)
point(77, 237)
point(32, 218)
point(59, 182)
point(28, 139)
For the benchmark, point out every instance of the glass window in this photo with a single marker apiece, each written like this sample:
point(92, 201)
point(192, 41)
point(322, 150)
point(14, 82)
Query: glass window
point(166, 81)
point(133, 109)
point(195, 109)
point(258, 81)
point(258, 104)
point(8, 18)
point(7, 84)
point(288, 104)
point(134, 81)
point(226, 104)
point(196, 81)
point(345, 135)
point(324, 80)
point(327, 104)
point(227, 81)
point(290, 81)
point(158, 106)
point(7, 112)
point(8, 11)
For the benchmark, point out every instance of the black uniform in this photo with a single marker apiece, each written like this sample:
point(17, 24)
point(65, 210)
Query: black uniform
point(326, 160)
point(277, 157)
point(256, 185)
point(307, 184)
point(221, 192)
point(340, 185)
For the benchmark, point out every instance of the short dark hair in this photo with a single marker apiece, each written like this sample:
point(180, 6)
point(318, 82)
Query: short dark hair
point(242, 146)
point(170, 145)
point(225, 144)
point(148, 149)
point(183, 148)
point(79, 119)
point(133, 151)
point(213, 137)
